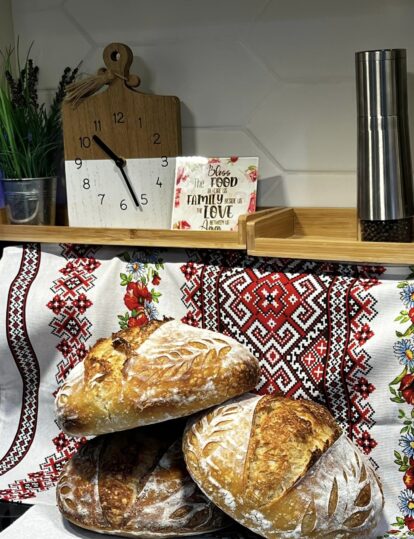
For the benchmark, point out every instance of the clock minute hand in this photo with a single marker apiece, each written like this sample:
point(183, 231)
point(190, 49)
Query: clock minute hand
point(134, 198)
point(120, 163)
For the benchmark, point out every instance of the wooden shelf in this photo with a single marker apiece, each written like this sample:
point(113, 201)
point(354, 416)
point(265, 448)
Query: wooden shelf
point(304, 233)
point(132, 237)
point(319, 234)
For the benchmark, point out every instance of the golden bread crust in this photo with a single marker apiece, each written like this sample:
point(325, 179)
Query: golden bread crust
point(283, 469)
point(135, 483)
point(146, 375)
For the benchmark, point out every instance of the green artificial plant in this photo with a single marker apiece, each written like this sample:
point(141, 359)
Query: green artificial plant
point(30, 133)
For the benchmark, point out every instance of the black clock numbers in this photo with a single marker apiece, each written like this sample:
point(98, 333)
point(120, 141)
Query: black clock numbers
point(85, 142)
point(143, 201)
point(118, 117)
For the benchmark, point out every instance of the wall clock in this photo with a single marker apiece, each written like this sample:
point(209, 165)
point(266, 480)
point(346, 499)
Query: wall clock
point(120, 146)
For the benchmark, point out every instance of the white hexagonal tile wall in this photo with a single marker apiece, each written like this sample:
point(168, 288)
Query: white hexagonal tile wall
point(154, 22)
point(309, 126)
point(219, 82)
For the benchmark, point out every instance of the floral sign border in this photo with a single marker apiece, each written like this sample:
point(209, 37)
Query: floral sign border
point(402, 392)
point(142, 275)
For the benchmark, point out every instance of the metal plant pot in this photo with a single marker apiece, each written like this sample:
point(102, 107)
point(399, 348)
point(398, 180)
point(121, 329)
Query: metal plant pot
point(30, 201)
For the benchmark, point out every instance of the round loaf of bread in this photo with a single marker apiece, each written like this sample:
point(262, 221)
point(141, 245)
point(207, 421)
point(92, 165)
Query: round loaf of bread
point(282, 468)
point(150, 374)
point(135, 484)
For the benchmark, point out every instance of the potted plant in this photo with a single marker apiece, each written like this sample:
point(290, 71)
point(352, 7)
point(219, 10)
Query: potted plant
point(30, 141)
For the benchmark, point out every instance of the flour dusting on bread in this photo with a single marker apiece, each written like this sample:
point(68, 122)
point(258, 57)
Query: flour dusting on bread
point(283, 469)
point(162, 371)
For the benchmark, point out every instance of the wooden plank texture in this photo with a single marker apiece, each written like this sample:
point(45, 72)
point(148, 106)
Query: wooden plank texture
point(121, 236)
point(321, 234)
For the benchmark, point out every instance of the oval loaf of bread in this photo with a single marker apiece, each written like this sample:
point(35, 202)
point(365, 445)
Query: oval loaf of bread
point(135, 484)
point(282, 468)
point(150, 374)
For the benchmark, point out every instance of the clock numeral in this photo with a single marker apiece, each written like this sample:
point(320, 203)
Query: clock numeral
point(101, 195)
point(118, 117)
point(85, 142)
point(144, 199)
point(97, 124)
point(140, 122)
point(86, 184)
point(123, 205)
point(78, 162)
point(156, 138)
point(158, 182)
point(164, 161)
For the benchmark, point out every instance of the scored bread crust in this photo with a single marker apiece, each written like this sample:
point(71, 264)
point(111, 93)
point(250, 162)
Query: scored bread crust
point(282, 468)
point(161, 371)
point(135, 484)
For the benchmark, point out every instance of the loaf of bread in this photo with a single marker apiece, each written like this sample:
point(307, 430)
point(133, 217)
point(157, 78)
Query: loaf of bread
point(135, 484)
point(149, 374)
point(283, 469)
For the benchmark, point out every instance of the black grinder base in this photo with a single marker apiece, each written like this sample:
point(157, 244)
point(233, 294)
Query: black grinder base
point(397, 230)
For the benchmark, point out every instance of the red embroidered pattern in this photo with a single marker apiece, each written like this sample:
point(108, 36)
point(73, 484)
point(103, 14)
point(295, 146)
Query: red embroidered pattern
point(306, 322)
point(69, 303)
point(24, 356)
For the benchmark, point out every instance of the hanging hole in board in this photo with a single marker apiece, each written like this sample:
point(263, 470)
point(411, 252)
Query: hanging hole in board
point(115, 56)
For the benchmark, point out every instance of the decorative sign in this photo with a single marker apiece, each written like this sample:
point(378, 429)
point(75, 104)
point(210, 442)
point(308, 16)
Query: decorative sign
point(211, 193)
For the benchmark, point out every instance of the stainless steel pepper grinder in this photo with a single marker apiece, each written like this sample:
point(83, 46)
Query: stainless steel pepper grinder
point(384, 175)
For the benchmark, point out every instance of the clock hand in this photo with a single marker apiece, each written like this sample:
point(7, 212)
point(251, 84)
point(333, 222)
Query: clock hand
point(134, 198)
point(120, 163)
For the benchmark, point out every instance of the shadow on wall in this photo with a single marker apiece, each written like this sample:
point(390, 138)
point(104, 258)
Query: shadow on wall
point(270, 190)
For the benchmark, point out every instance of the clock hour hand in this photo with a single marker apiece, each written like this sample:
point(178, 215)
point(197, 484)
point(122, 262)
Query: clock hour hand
point(120, 163)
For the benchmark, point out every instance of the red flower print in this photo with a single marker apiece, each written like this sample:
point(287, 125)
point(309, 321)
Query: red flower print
point(364, 334)
point(363, 387)
point(366, 442)
point(411, 314)
point(214, 160)
point(189, 320)
point(409, 478)
point(409, 522)
point(56, 304)
point(252, 203)
point(81, 303)
point(140, 320)
point(136, 295)
point(181, 175)
point(189, 270)
point(233, 159)
point(252, 173)
point(156, 280)
point(91, 264)
point(182, 225)
point(177, 197)
point(407, 388)
point(68, 268)
point(64, 347)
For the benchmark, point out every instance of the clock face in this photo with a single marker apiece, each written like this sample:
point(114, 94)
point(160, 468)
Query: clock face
point(101, 195)
point(120, 149)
